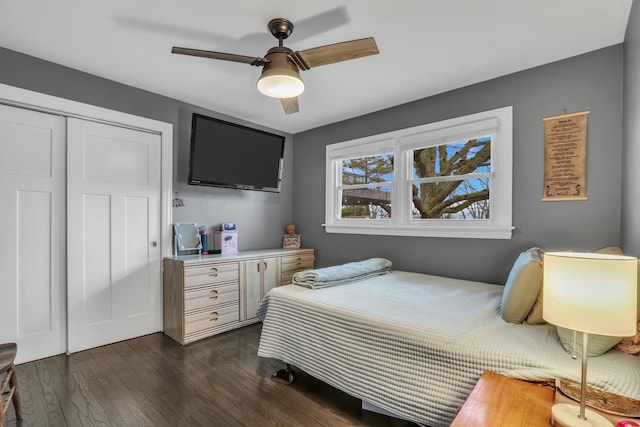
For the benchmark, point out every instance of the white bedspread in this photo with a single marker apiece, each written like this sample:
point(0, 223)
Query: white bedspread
point(416, 344)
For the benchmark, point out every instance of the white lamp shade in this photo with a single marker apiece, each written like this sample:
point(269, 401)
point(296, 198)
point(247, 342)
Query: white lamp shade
point(593, 293)
point(280, 84)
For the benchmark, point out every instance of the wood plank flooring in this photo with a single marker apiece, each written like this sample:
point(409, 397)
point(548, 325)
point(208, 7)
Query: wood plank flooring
point(154, 381)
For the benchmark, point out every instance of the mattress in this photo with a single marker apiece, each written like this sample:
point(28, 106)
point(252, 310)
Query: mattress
point(415, 344)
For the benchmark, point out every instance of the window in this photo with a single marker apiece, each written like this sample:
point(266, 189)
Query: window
point(444, 179)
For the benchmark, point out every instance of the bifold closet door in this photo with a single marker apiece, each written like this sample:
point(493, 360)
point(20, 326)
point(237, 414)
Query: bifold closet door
point(113, 234)
point(32, 232)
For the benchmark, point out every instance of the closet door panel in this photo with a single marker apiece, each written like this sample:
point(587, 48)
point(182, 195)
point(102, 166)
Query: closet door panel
point(137, 278)
point(113, 211)
point(32, 246)
point(27, 148)
point(34, 284)
point(96, 299)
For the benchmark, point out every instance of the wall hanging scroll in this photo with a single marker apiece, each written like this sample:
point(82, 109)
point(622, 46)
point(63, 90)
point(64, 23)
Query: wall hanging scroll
point(565, 150)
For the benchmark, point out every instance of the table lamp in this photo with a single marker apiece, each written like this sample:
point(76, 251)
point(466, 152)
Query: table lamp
point(592, 294)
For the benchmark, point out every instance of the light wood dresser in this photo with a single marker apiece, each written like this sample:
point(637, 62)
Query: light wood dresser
point(205, 295)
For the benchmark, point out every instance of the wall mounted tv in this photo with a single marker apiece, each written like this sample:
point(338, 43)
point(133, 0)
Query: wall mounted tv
point(225, 154)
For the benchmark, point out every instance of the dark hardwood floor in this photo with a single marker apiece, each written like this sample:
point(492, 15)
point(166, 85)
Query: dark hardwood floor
point(154, 381)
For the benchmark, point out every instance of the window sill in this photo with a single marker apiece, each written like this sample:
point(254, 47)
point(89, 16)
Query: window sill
point(467, 232)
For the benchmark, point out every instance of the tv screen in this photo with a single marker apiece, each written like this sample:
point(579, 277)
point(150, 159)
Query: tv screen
point(225, 154)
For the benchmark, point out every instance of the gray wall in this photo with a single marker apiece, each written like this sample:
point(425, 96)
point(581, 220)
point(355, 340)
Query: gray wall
point(260, 216)
point(631, 146)
point(588, 82)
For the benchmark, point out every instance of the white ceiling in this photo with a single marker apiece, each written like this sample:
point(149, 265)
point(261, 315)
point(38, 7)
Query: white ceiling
point(426, 46)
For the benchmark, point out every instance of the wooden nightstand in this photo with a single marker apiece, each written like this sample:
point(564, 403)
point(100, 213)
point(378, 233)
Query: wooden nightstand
point(497, 400)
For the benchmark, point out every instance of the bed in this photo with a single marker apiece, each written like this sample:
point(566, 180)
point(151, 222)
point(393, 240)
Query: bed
point(415, 345)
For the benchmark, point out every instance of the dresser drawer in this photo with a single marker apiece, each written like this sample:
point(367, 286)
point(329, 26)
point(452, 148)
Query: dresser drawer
point(210, 274)
point(210, 296)
point(297, 263)
point(210, 319)
point(287, 278)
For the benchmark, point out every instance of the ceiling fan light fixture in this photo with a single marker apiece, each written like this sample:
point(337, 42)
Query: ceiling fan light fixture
point(280, 76)
point(280, 83)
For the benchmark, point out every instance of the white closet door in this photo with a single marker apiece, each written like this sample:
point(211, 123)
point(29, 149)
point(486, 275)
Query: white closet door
point(32, 222)
point(113, 234)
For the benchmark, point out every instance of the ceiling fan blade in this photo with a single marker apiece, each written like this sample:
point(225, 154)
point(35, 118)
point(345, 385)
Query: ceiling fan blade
point(290, 105)
point(219, 55)
point(337, 52)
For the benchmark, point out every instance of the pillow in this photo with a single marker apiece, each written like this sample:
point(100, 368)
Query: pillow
point(630, 345)
point(598, 344)
point(522, 287)
point(535, 315)
point(610, 250)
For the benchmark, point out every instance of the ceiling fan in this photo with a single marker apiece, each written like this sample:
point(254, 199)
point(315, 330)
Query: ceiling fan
point(281, 66)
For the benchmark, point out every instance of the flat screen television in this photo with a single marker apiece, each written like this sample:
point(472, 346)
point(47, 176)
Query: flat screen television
point(230, 155)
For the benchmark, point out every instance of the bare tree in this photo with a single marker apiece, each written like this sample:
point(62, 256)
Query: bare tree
point(444, 199)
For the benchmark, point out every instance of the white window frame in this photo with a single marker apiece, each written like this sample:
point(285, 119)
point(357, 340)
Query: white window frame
point(494, 123)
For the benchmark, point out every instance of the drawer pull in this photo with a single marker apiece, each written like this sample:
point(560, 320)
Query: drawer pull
point(215, 294)
point(213, 275)
point(214, 319)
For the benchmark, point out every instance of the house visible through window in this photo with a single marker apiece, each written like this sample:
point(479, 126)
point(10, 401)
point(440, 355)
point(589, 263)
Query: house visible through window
point(446, 179)
point(366, 187)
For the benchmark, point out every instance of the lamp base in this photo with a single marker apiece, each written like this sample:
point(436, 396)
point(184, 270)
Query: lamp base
point(566, 415)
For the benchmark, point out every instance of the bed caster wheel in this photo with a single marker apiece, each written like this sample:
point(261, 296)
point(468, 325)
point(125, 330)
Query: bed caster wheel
point(284, 376)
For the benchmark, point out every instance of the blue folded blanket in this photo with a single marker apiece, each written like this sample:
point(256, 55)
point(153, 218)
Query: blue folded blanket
point(341, 274)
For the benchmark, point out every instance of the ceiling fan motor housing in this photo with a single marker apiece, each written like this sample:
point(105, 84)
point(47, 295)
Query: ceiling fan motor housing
point(280, 75)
